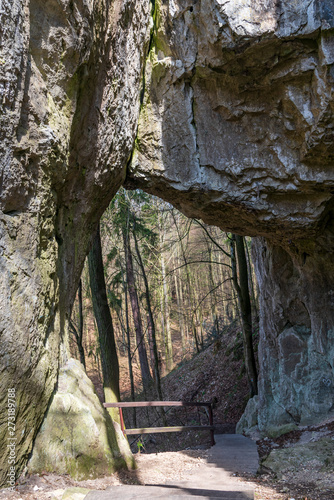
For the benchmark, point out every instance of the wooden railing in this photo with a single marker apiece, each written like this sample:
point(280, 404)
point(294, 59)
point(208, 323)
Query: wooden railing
point(154, 430)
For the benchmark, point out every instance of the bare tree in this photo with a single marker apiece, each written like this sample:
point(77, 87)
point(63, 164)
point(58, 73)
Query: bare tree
point(144, 366)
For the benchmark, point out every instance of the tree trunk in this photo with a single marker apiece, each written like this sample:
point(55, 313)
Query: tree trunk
point(81, 326)
point(151, 324)
point(127, 325)
point(190, 298)
point(151, 347)
point(110, 367)
point(168, 337)
point(144, 366)
point(242, 291)
point(184, 309)
point(192, 308)
point(252, 280)
point(213, 295)
point(179, 311)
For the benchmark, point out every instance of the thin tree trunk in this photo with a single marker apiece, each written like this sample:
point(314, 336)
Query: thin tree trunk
point(144, 366)
point(125, 289)
point(192, 306)
point(242, 291)
point(179, 312)
point(168, 337)
point(183, 310)
point(181, 304)
point(151, 348)
point(81, 326)
point(200, 318)
point(150, 318)
point(198, 311)
point(252, 280)
point(162, 316)
point(110, 367)
point(78, 332)
point(224, 289)
point(190, 298)
point(213, 296)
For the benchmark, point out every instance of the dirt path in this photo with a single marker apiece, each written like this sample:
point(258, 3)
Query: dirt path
point(171, 468)
point(213, 478)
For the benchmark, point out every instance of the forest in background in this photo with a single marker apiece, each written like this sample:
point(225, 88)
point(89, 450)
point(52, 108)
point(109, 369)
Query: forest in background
point(158, 288)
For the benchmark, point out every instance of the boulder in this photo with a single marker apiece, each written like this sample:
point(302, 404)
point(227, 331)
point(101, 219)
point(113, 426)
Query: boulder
point(308, 464)
point(249, 419)
point(77, 436)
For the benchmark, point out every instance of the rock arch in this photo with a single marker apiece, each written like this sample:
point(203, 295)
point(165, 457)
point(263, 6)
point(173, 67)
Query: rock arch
point(223, 108)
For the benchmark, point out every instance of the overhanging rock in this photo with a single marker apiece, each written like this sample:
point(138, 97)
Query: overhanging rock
point(236, 128)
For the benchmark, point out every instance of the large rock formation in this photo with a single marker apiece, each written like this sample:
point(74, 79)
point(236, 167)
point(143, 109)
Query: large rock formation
point(236, 127)
point(70, 79)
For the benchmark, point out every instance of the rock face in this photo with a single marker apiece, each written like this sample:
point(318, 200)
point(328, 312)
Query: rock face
point(76, 437)
point(297, 334)
point(236, 123)
point(249, 419)
point(70, 79)
point(235, 127)
point(309, 464)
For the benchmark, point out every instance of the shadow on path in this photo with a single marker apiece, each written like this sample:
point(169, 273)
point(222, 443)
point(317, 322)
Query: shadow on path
point(232, 454)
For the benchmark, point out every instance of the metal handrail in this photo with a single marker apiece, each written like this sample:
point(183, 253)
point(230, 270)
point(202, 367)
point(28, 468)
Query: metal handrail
point(153, 430)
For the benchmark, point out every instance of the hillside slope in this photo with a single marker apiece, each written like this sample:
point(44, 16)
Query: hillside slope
point(214, 375)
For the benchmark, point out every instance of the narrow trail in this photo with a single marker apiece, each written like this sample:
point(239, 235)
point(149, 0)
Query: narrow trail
point(232, 454)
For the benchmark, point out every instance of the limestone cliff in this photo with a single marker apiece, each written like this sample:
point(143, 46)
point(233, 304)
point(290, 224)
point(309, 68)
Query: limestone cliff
point(237, 121)
point(235, 127)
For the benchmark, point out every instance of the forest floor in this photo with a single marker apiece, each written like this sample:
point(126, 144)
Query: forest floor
point(213, 375)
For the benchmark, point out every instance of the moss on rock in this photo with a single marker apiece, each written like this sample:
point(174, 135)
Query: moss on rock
point(75, 494)
point(317, 454)
point(77, 436)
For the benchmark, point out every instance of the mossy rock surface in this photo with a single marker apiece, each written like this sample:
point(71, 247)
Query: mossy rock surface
point(319, 454)
point(75, 494)
point(77, 436)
